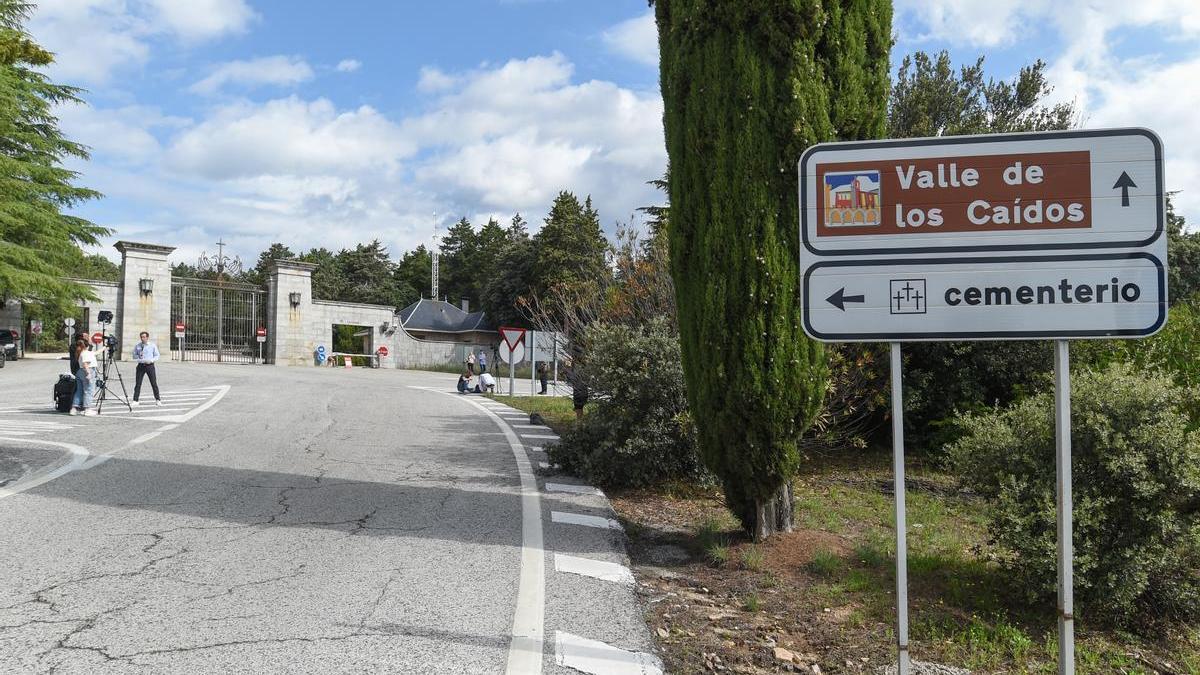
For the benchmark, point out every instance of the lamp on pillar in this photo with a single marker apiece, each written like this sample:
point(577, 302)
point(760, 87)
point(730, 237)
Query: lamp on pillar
point(146, 286)
point(294, 298)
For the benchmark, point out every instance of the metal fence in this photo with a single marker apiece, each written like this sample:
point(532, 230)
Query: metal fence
point(220, 321)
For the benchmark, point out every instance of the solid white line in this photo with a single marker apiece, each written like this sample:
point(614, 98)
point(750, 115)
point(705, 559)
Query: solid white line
point(538, 436)
point(597, 569)
point(573, 489)
point(135, 411)
point(598, 658)
point(78, 456)
point(568, 518)
point(528, 630)
point(20, 433)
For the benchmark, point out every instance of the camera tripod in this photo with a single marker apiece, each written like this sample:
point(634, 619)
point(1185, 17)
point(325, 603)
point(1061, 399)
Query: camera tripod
point(107, 346)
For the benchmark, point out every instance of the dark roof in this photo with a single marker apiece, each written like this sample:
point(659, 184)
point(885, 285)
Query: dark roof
point(442, 317)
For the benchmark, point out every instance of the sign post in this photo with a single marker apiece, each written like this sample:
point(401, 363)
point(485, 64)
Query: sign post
point(180, 334)
point(511, 339)
point(260, 334)
point(1033, 236)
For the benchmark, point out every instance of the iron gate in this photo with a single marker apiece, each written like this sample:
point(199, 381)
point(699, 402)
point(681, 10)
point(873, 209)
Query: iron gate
point(220, 320)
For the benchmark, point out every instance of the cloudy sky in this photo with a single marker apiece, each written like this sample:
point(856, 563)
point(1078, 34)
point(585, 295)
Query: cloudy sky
point(325, 124)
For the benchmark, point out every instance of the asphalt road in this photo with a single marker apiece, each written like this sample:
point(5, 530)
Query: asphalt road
point(300, 520)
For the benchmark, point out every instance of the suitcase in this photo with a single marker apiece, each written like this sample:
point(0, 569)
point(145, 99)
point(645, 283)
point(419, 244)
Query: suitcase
point(64, 392)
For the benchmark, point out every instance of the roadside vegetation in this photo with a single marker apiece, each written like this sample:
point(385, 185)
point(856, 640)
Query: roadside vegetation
point(725, 595)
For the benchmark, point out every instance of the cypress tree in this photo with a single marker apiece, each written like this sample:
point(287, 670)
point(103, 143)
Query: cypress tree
point(747, 86)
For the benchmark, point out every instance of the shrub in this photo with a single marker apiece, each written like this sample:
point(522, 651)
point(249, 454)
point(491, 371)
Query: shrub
point(1136, 468)
point(639, 433)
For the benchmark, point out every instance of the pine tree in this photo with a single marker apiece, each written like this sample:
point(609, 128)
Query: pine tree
point(457, 266)
point(570, 247)
point(262, 269)
point(414, 275)
point(39, 244)
point(747, 86)
point(511, 277)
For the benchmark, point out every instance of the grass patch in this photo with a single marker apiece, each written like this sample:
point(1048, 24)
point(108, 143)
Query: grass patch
point(752, 558)
point(558, 411)
point(717, 554)
point(825, 563)
point(752, 603)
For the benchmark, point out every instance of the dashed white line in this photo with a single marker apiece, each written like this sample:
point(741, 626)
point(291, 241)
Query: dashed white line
point(597, 569)
point(567, 518)
point(598, 658)
point(573, 489)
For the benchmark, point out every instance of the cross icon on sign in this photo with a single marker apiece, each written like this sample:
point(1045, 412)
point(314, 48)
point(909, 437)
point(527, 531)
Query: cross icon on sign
point(907, 296)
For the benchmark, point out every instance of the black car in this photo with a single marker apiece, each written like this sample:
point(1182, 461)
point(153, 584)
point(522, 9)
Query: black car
point(8, 340)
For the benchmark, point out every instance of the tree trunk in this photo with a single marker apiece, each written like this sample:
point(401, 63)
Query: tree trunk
point(774, 515)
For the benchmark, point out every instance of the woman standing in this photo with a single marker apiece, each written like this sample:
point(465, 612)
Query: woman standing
point(471, 363)
point(85, 379)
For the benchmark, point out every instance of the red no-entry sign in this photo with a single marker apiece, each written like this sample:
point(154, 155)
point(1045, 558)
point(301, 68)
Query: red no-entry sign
point(383, 351)
point(97, 338)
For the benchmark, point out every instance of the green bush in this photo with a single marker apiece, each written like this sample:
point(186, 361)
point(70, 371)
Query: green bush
point(639, 433)
point(1136, 466)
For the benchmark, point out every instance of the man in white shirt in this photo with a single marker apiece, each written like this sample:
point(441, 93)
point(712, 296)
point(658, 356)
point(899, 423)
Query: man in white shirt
point(146, 354)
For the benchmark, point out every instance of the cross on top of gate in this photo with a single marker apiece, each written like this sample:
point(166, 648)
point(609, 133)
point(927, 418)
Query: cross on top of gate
point(220, 262)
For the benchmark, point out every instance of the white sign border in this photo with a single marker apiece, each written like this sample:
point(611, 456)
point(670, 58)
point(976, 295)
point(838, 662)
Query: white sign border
point(892, 144)
point(946, 336)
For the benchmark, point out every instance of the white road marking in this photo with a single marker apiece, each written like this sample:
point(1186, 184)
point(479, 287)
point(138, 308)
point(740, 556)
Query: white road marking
point(528, 629)
point(568, 518)
point(79, 455)
point(544, 465)
point(219, 392)
point(573, 489)
point(135, 411)
point(548, 436)
point(100, 459)
point(598, 658)
point(597, 569)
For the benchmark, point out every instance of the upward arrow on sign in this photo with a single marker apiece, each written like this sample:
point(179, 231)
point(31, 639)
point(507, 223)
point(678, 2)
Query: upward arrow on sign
point(1124, 183)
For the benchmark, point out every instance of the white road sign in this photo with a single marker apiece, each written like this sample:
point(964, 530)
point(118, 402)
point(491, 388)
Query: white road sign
point(1003, 297)
point(1026, 236)
point(1054, 191)
point(511, 356)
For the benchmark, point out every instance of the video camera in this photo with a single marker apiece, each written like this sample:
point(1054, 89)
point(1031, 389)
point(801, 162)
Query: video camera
point(105, 317)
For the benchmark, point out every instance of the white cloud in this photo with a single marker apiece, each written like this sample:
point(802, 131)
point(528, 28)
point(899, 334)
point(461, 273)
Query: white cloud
point(1142, 89)
point(635, 39)
point(348, 65)
point(123, 134)
point(494, 140)
point(287, 137)
point(202, 19)
point(433, 80)
point(267, 70)
point(120, 33)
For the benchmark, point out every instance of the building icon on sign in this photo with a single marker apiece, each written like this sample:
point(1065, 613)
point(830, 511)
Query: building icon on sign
point(852, 199)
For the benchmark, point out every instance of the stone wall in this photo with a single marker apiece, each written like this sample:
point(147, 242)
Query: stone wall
point(140, 310)
point(109, 294)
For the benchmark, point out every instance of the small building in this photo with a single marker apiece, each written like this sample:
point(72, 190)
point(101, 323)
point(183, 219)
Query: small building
point(440, 321)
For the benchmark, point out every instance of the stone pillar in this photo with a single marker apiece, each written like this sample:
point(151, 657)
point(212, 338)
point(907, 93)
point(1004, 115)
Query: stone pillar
point(286, 329)
point(140, 310)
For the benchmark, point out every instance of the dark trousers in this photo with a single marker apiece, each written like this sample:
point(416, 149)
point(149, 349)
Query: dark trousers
point(144, 369)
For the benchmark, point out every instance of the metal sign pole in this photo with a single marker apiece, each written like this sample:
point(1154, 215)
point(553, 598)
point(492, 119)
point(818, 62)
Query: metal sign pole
point(1062, 437)
point(512, 378)
point(533, 364)
point(904, 667)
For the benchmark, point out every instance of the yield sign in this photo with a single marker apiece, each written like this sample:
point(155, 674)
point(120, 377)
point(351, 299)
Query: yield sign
point(512, 337)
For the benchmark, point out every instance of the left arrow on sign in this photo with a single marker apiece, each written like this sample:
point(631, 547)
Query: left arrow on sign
point(840, 299)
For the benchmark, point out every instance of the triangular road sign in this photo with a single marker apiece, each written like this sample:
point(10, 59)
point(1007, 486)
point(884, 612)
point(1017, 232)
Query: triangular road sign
point(512, 337)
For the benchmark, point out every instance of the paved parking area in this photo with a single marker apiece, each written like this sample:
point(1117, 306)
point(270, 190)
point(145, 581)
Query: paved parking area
point(301, 520)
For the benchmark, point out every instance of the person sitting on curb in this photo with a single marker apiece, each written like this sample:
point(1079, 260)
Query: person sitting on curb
point(464, 382)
